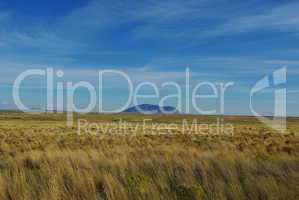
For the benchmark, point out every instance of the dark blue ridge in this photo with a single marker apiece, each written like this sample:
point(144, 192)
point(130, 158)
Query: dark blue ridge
point(151, 109)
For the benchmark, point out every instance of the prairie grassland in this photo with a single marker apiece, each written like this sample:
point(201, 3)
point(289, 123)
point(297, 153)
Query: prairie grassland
point(41, 158)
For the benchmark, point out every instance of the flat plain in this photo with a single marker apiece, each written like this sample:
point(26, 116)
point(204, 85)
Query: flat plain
point(42, 158)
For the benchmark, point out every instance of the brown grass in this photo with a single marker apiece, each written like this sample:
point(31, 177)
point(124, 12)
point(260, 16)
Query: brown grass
point(40, 158)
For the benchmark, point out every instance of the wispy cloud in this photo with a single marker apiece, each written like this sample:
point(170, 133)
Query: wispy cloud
point(212, 20)
point(282, 18)
point(283, 62)
point(83, 32)
point(180, 20)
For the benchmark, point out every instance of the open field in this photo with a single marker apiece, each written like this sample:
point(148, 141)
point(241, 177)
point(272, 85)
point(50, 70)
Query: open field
point(41, 158)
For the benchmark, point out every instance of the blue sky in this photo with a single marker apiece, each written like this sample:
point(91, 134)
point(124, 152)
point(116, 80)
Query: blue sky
point(218, 40)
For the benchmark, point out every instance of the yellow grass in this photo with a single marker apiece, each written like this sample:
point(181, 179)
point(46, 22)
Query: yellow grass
point(41, 158)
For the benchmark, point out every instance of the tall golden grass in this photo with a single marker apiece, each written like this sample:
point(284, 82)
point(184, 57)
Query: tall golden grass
point(40, 158)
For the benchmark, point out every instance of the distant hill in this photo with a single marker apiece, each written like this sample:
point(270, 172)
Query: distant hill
point(151, 109)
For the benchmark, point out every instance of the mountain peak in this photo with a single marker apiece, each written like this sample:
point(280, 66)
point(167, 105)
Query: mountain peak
point(151, 109)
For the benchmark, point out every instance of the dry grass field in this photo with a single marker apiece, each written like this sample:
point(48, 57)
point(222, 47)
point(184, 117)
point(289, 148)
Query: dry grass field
point(41, 158)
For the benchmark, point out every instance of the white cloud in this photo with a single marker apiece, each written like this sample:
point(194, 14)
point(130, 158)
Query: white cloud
point(177, 19)
point(283, 18)
point(282, 62)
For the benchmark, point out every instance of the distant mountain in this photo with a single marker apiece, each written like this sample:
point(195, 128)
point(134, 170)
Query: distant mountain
point(151, 109)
